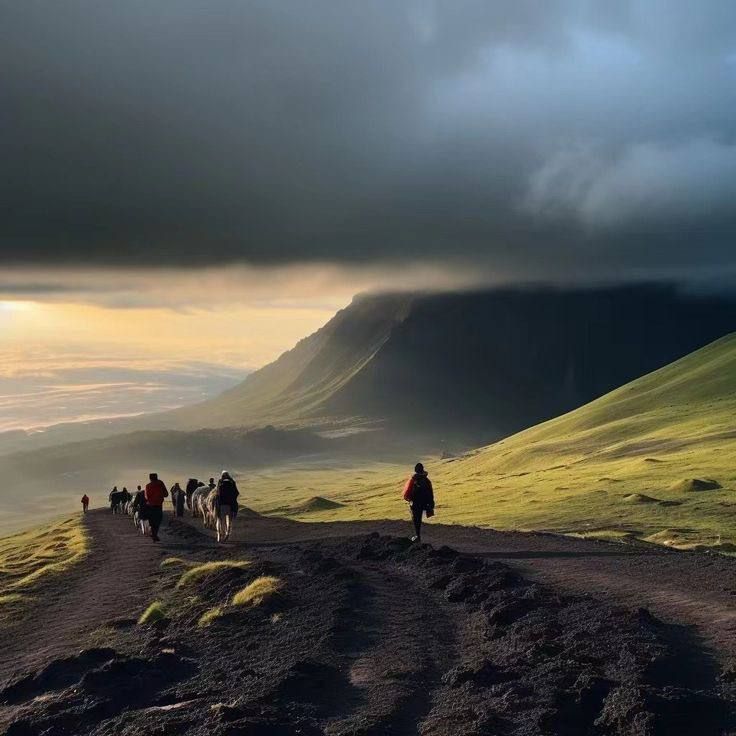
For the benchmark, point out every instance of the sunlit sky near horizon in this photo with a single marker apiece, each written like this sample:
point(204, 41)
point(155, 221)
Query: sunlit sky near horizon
point(103, 343)
point(77, 357)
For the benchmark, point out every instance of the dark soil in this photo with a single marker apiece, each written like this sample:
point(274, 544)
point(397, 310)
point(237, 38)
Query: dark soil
point(368, 635)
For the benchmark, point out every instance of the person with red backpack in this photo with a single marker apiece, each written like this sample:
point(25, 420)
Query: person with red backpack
point(418, 492)
point(85, 503)
point(154, 495)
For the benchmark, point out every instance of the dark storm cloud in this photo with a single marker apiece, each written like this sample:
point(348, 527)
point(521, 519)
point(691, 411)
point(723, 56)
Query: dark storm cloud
point(545, 135)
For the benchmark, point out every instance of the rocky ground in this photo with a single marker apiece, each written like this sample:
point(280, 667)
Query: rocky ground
point(357, 634)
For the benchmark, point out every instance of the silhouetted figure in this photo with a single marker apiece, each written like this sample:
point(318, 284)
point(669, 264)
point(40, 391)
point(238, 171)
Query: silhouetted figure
point(420, 496)
point(179, 499)
point(85, 503)
point(139, 510)
point(118, 500)
point(155, 494)
point(226, 505)
point(192, 485)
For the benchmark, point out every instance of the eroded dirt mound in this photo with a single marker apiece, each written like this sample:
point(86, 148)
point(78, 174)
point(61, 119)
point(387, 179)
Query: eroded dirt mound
point(375, 636)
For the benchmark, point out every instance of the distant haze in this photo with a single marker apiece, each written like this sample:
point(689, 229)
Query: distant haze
point(59, 393)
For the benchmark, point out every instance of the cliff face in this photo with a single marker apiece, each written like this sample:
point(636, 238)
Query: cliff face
point(478, 365)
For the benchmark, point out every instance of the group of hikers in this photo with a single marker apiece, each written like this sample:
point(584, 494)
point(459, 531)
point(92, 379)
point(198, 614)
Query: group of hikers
point(146, 504)
point(221, 498)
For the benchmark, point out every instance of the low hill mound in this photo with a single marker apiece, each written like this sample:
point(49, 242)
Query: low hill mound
point(640, 498)
point(317, 503)
point(694, 485)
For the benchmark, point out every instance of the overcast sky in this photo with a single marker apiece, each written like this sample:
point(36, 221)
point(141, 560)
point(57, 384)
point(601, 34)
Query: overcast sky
point(524, 137)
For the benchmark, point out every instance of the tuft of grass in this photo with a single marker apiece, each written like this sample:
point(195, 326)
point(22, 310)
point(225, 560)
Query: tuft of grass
point(210, 615)
point(10, 598)
point(170, 561)
point(258, 591)
point(155, 612)
point(197, 573)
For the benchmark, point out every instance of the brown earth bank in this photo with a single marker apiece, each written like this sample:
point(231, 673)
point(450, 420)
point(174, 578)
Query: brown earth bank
point(364, 633)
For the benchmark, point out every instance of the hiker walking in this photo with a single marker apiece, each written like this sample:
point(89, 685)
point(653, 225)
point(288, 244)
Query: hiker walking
point(226, 505)
point(418, 492)
point(155, 494)
point(85, 503)
point(192, 485)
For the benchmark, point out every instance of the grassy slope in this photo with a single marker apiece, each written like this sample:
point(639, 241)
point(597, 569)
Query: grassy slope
point(573, 473)
point(28, 558)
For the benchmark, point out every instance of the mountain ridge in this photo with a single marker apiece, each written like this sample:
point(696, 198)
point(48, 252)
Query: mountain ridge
point(478, 364)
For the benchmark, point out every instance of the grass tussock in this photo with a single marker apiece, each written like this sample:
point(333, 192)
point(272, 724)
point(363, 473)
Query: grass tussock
point(171, 561)
point(199, 572)
point(258, 591)
point(210, 616)
point(10, 598)
point(154, 613)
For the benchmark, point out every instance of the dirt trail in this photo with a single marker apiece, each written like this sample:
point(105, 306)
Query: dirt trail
point(372, 635)
point(113, 582)
point(116, 579)
point(397, 619)
point(682, 587)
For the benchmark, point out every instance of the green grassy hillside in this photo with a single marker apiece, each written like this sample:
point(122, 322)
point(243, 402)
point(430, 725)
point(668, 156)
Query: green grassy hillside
point(626, 464)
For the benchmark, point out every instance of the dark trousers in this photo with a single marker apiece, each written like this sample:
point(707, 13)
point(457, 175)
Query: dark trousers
point(154, 516)
point(416, 517)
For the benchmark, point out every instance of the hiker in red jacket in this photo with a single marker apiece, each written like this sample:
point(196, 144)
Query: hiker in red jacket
point(155, 494)
point(419, 493)
point(85, 503)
